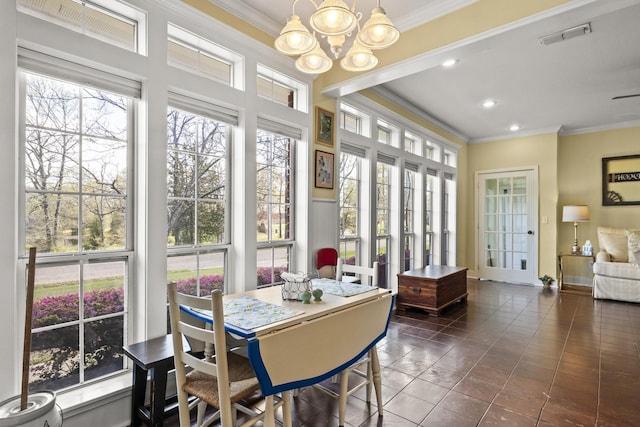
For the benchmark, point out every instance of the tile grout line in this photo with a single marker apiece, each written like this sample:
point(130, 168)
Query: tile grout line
point(555, 372)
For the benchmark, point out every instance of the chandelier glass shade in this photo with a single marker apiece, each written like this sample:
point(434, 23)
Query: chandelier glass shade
point(335, 21)
point(314, 62)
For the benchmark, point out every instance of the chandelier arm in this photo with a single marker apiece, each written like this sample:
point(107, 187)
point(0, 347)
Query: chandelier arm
point(353, 6)
point(293, 7)
point(358, 18)
point(314, 4)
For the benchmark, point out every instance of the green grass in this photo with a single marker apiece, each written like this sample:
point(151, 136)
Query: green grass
point(65, 288)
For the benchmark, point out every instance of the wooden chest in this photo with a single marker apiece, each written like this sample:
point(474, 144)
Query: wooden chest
point(432, 288)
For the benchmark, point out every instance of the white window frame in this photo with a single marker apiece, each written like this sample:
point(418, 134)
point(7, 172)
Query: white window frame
point(81, 257)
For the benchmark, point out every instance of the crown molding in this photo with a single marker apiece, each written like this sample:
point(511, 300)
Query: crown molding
point(250, 15)
point(417, 111)
point(519, 134)
point(430, 12)
point(612, 126)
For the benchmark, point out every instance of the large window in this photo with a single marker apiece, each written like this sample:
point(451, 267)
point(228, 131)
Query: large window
point(408, 213)
point(431, 219)
point(448, 220)
point(383, 207)
point(407, 217)
point(197, 182)
point(274, 193)
point(349, 207)
point(76, 212)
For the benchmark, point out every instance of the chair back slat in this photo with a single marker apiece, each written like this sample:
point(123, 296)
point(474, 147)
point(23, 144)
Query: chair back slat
point(367, 275)
point(214, 339)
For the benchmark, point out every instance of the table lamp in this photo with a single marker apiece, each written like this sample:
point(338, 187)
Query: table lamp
point(575, 214)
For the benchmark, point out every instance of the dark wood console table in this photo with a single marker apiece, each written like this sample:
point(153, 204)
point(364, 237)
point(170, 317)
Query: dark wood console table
point(432, 288)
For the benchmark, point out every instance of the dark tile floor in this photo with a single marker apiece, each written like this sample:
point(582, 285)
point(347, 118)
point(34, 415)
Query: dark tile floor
point(512, 356)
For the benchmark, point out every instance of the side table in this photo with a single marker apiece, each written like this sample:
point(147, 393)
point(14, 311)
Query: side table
point(576, 273)
point(153, 357)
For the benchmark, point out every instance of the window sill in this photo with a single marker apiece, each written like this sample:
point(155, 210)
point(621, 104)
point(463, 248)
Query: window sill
point(80, 400)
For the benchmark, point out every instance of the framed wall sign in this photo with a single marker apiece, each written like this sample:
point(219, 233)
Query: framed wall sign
point(621, 180)
point(324, 170)
point(324, 127)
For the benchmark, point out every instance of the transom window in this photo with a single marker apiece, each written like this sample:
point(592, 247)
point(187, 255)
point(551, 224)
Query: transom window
point(412, 143)
point(281, 89)
point(198, 55)
point(109, 21)
point(432, 151)
point(354, 120)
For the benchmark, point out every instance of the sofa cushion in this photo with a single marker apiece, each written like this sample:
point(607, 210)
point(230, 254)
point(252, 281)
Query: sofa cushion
point(614, 241)
point(623, 270)
point(633, 243)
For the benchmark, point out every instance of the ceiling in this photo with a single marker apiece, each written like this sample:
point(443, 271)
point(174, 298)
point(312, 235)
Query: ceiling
point(564, 87)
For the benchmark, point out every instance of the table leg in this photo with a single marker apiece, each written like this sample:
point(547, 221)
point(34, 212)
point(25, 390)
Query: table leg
point(137, 397)
point(158, 392)
point(269, 413)
point(286, 408)
point(377, 380)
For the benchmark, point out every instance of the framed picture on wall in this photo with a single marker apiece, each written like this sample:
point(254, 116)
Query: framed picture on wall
point(324, 170)
point(324, 127)
point(621, 180)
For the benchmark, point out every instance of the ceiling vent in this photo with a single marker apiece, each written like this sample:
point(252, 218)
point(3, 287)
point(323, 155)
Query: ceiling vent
point(569, 33)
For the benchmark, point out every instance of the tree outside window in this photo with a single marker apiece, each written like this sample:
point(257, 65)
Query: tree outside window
point(274, 216)
point(76, 181)
point(196, 202)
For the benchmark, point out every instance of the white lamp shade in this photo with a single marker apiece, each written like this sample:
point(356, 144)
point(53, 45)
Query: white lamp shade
point(378, 32)
point(295, 38)
point(333, 18)
point(575, 213)
point(358, 58)
point(314, 62)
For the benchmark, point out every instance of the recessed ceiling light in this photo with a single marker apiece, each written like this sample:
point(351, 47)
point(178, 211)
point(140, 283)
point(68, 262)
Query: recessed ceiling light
point(514, 127)
point(489, 103)
point(449, 62)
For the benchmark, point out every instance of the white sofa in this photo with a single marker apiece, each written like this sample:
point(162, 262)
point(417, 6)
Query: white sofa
point(616, 274)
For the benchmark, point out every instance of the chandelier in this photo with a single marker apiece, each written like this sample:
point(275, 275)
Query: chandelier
point(334, 21)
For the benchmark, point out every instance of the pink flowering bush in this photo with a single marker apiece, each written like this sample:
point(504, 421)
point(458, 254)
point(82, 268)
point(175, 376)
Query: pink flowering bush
point(56, 351)
point(264, 275)
point(207, 284)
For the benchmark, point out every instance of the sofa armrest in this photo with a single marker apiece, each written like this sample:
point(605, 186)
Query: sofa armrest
point(603, 256)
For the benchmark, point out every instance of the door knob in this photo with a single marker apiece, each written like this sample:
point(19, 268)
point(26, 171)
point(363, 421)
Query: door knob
point(530, 232)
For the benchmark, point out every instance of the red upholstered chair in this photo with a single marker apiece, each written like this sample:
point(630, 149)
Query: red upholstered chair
point(326, 262)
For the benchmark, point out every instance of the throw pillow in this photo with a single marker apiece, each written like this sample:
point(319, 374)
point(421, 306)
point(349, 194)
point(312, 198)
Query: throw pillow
point(615, 242)
point(633, 242)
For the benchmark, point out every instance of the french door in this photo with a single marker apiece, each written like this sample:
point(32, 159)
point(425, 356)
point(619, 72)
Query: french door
point(507, 225)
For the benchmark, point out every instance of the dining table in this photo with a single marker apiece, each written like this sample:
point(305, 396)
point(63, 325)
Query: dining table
point(291, 344)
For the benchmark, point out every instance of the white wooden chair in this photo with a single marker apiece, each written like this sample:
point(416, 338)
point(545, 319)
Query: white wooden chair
point(361, 367)
point(223, 379)
point(361, 272)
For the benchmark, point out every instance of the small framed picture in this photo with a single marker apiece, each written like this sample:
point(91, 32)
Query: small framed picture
point(324, 170)
point(324, 127)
